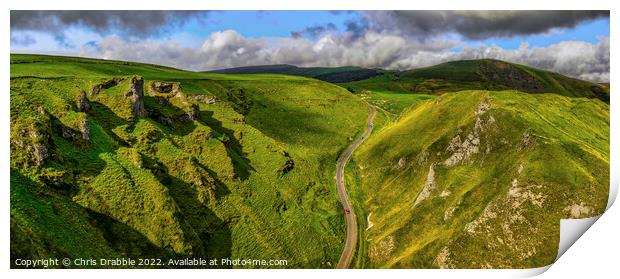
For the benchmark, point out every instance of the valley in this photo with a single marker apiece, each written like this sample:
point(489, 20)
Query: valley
point(466, 164)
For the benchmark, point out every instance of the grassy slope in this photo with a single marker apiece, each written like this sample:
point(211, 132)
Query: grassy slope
point(329, 74)
point(259, 215)
point(537, 157)
point(485, 74)
point(144, 187)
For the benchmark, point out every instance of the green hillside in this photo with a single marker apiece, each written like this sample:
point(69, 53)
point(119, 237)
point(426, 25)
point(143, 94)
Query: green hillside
point(478, 179)
point(329, 74)
point(484, 74)
point(113, 159)
point(471, 164)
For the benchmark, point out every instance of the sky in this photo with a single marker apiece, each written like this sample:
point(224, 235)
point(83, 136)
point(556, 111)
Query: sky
point(574, 43)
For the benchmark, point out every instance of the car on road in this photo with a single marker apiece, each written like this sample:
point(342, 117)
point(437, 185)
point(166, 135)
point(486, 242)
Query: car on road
point(347, 211)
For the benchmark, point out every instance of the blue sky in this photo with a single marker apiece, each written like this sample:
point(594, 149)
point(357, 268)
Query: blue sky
point(258, 24)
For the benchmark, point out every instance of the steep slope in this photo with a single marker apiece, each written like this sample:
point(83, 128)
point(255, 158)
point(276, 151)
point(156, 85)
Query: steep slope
point(487, 74)
point(116, 159)
point(480, 179)
point(334, 75)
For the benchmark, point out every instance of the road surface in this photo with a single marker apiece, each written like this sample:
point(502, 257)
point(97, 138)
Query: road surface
point(349, 246)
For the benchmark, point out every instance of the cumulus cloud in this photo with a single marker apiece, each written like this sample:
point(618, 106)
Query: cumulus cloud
point(474, 24)
point(372, 49)
point(230, 49)
point(133, 23)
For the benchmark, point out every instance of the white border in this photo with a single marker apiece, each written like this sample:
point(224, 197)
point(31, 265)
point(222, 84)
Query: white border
point(594, 254)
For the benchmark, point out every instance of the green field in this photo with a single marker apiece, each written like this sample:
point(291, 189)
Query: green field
point(249, 176)
point(471, 164)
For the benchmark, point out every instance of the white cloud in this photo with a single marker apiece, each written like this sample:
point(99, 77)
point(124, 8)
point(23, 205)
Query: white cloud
point(372, 49)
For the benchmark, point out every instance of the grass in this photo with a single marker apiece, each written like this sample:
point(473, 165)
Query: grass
point(453, 175)
point(210, 187)
point(483, 74)
point(329, 74)
point(537, 156)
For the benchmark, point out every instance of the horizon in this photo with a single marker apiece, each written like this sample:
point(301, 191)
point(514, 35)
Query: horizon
point(267, 65)
point(574, 43)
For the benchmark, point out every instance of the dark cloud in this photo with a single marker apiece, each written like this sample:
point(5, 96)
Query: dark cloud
point(314, 31)
point(476, 24)
point(133, 23)
point(356, 28)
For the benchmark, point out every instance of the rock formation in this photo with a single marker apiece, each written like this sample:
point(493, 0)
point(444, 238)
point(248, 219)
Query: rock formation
point(104, 85)
point(83, 105)
point(193, 113)
point(207, 100)
point(85, 129)
point(162, 87)
point(136, 94)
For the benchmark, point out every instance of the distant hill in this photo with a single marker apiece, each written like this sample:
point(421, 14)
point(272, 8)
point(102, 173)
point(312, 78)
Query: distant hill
point(487, 74)
point(334, 75)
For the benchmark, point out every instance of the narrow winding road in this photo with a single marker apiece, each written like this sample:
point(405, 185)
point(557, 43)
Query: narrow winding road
point(349, 246)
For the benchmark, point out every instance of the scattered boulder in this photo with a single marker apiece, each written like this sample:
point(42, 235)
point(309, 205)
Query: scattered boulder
point(161, 86)
point(462, 149)
point(205, 99)
point(482, 107)
point(288, 166)
point(193, 113)
point(40, 150)
point(526, 141)
point(239, 120)
point(428, 186)
point(31, 143)
point(83, 105)
point(104, 85)
point(41, 110)
point(577, 211)
point(136, 94)
point(67, 133)
point(85, 129)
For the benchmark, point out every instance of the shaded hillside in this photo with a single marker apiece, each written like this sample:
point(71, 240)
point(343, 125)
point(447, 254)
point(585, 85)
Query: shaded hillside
point(116, 159)
point(333, 75)
point(481, 179)
point(485, 74)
